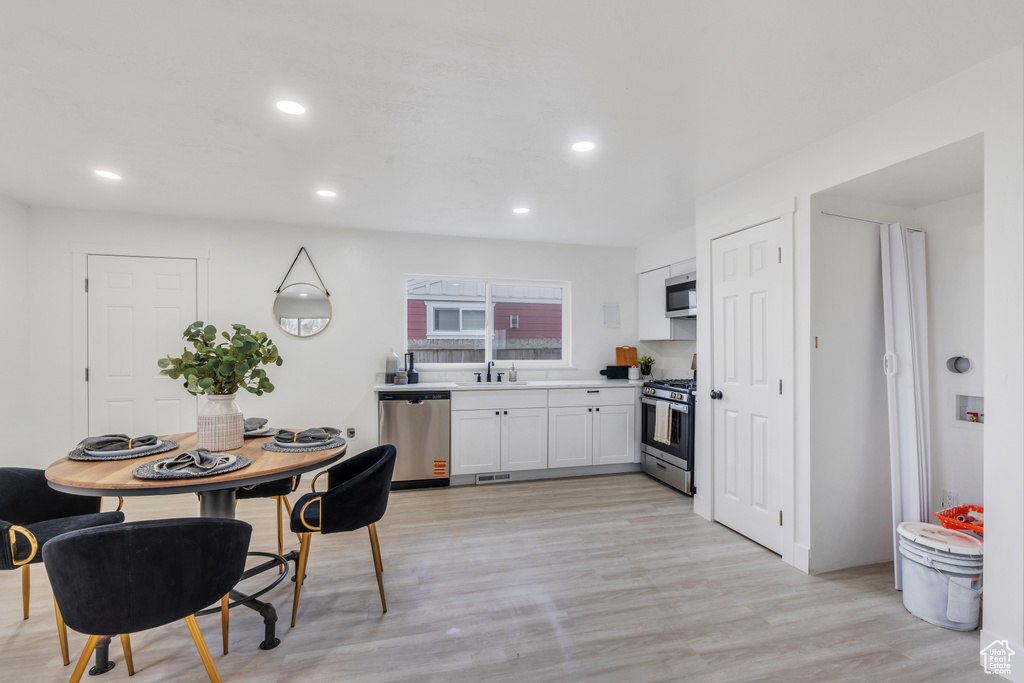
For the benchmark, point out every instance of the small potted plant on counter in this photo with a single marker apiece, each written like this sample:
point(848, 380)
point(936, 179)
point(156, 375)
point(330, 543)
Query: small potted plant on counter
point(219, 371)
point(645, 363)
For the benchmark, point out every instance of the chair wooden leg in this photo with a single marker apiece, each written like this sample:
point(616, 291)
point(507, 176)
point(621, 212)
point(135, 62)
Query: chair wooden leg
point(126, 645)
point(377, 564)
point(224, 619)
point(280, 532)
point(26, 580)
point(90, 645)
point(62, 633)
point(300, 573)
point(204, 652)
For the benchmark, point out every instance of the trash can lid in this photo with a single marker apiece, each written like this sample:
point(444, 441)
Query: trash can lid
point(939, 538)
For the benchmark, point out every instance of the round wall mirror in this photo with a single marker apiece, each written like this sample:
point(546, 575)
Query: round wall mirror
point(302, 309)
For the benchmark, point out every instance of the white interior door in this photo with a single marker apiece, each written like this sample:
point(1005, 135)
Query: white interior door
point(747, 432)
point(137, 310)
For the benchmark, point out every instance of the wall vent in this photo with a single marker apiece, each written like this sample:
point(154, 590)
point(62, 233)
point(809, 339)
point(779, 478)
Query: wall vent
point(492, 478)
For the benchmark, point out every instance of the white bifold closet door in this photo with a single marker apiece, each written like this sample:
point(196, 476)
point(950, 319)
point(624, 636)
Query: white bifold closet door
point(905, 306)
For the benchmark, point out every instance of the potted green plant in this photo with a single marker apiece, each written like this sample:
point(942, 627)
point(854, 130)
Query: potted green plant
point(218, 371)
point(645, 363)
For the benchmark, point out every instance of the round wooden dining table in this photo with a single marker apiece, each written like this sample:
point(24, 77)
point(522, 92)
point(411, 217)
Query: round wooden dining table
point(216, 493)
point(216, 499)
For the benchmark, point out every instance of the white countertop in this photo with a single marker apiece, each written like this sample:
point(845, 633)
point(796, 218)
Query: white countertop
point(530, 384)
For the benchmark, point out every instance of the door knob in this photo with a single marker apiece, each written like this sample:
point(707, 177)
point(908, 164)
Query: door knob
point(715, 395)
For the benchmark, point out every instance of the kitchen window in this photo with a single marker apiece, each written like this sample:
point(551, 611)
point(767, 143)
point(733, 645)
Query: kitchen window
point(452, 321)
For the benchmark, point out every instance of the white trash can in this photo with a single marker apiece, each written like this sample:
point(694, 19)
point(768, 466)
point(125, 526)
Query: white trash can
point(942, 575)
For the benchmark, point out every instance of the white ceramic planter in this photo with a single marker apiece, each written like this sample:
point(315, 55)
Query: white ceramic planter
point(220, 425)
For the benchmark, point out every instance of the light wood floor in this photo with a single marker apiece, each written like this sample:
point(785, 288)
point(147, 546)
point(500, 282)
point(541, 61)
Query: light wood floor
point(594, 579)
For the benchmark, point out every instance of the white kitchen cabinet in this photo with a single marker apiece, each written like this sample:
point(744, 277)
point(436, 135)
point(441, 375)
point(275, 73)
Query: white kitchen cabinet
point(524, 439)
point(499, 431)
point(614, 434)
point(476, 441)
point(601, 433)
point(570, 436)
point(653, 324)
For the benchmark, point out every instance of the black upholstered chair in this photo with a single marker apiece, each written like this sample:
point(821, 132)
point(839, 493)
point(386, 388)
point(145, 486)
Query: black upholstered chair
point(31, 514)
point(279, 490)
point(356, 497)
point(136, 576)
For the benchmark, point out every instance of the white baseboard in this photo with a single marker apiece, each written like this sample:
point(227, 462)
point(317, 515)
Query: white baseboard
point(802, 557)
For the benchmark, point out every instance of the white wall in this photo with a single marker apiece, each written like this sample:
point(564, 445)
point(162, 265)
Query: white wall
point(16, 306)
point(988, 99)
point(325, 379)
point(850, 516)
point(667, 249)
point(956, 321)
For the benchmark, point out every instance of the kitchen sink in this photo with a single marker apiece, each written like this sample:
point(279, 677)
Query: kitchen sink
point(491, 384)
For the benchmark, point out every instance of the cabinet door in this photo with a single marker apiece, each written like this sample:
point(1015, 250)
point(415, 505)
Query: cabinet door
point(476, 441)
point(570, 436)
point(524, 439)
point(614, 434)
point(651, 307)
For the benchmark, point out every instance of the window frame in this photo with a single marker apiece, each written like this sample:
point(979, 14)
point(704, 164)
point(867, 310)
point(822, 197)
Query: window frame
point(564, 363)
point(461, 333)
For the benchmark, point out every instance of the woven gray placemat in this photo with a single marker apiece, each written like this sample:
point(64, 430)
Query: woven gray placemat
point(271, 431)
point(333, 443)
point(165, 445)
point(147, 470)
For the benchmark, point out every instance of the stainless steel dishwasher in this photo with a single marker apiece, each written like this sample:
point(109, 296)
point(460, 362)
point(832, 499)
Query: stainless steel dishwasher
point(418, 425)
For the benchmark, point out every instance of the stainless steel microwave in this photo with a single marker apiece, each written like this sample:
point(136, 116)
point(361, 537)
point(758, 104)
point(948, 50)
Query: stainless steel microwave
point(681, 296)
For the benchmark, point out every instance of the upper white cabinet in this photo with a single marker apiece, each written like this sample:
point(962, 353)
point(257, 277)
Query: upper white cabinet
point(652, 323)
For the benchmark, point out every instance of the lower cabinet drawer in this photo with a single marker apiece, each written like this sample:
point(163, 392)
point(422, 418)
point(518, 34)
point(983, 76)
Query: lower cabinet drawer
point(617, 396)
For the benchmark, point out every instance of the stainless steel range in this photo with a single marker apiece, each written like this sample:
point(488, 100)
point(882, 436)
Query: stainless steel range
point(670, 460)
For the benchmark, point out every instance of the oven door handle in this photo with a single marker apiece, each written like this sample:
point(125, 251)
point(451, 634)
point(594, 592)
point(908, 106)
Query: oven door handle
point(680, 407)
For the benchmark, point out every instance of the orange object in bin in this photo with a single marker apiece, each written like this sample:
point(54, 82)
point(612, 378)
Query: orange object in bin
point(948, 518)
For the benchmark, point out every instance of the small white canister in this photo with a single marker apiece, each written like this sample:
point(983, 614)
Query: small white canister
point(634, 373)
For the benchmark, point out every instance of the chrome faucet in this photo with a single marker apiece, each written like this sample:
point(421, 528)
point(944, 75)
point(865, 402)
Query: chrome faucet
point(489, 364)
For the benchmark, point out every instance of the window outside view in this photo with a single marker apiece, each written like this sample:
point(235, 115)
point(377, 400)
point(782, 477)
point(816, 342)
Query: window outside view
point(447, 321)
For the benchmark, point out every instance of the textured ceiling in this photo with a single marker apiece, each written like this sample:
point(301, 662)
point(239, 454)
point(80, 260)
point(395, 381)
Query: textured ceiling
point(441, 116)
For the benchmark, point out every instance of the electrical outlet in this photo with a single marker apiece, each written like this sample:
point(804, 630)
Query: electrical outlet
point(351, 432)
point(950, 499)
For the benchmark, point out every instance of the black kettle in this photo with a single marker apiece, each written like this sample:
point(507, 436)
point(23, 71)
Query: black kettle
point(414, 377)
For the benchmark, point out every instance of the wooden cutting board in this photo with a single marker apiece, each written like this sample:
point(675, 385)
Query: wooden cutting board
point(625, 355)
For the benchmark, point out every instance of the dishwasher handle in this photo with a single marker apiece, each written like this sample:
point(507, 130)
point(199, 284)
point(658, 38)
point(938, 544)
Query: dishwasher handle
point(413, 397)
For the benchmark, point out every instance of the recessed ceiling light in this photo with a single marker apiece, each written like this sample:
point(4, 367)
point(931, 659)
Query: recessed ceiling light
point(584, 146)
point(521, 209)
point(109, 175)
point(303, 294)
point(326, 193)
point(291, 107)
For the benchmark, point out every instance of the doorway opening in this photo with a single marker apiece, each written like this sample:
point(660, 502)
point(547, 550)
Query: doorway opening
point(940, 192)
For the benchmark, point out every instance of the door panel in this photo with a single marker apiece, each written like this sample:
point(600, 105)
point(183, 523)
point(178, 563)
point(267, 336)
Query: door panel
point(614, 436)
point(476, 441)
point(524, 439)
point(745, 279)
point(137, 310)
point(570, 434)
